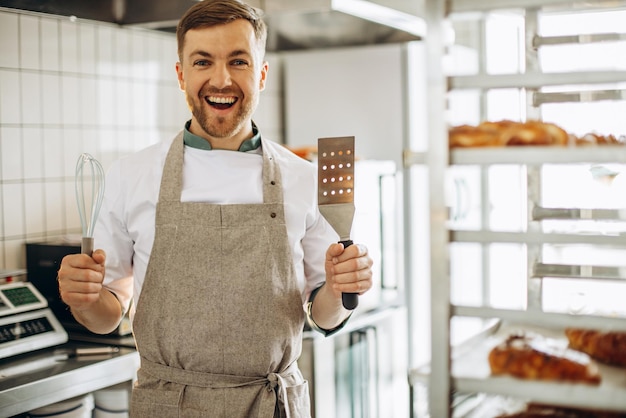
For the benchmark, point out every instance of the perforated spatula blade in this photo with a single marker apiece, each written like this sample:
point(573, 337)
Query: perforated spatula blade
point(335, 172)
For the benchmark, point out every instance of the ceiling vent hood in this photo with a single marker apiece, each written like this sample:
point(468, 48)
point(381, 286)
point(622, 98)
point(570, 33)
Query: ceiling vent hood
point(293, 24)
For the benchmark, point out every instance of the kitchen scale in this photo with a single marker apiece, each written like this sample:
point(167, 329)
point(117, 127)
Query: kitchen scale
point(26, 322)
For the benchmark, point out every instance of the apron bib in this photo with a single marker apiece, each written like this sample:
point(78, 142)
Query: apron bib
point(218, 324)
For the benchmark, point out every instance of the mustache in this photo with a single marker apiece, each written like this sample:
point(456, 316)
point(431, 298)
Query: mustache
point(215, 91)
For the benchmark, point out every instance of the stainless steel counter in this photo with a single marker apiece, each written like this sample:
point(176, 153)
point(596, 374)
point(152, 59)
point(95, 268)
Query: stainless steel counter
point(58, 379)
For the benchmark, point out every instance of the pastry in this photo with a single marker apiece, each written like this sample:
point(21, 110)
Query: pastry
point(531, 356)
point(607, 347)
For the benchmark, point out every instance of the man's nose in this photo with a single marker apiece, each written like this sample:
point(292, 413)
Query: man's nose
point(220, 76)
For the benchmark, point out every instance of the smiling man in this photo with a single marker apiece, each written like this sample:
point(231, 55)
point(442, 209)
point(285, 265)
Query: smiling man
point(216, 238)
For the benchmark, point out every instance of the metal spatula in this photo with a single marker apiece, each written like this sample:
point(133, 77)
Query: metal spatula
point(335, 173)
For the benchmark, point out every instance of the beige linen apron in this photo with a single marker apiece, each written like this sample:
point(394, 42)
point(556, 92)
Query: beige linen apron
point(219, 321)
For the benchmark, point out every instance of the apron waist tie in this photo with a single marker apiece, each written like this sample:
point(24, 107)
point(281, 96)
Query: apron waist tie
point(273, 381)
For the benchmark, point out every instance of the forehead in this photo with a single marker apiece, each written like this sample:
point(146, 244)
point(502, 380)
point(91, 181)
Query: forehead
point(221, 39)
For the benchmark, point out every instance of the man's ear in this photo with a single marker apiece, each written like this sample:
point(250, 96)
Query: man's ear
point(264, 70)
point(179, 75)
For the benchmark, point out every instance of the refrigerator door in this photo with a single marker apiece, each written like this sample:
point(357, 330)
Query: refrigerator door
point(359, 92)
point(360, 372)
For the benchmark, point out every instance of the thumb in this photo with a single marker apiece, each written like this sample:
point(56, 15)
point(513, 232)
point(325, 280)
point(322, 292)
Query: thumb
point(334, 250)
point(99, 256)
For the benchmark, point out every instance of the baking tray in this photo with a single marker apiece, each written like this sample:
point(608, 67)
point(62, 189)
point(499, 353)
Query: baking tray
point(471, 374)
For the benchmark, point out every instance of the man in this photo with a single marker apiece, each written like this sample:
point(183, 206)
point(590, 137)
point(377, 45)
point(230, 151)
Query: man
point(217, 239)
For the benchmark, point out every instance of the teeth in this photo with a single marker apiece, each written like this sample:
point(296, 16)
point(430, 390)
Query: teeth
point(222, 100)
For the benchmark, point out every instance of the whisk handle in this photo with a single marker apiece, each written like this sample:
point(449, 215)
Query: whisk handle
point(86, 246)
point(349, 300)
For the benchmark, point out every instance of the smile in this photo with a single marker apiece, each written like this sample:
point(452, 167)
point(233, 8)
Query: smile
point(220, 102)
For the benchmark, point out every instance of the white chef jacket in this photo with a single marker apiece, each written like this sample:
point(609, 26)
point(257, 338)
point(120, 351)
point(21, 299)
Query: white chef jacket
point(125, 228)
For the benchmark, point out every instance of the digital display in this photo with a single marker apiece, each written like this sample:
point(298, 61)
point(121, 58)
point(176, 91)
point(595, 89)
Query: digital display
point(19, 296)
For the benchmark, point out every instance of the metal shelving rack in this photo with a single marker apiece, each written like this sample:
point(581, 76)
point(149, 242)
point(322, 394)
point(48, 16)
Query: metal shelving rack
point(439, 374)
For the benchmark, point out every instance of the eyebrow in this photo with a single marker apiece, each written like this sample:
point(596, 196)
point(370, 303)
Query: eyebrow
point(235, 53)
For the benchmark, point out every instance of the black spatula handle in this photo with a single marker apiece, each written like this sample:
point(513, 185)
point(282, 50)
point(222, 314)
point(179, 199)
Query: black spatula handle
point(350, 300)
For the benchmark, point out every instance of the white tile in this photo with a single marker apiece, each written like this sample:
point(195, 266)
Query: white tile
point(104, 59)
point(29, 42)
point(87, 48)
point(51, 99)
point(71, 215)
point(70, 103)
point(34, 208)
point(72, 149)
point(137, 54)
point(53, 151)
point(33, 156)
point(123, 103)
point(55, 206)
point(90, 139)
point(69, 46)
point(11, 149)
point(122, 41)
point(151, 63)
point(13, 210)
point(88, 101)
point(168, 58)
point(170, 104)
point(10, 99)
point(50, 35)
point(15, 254)
point(9, 47)
point(151, 104)
point(106, 101)
point(138, 109)
point(31, 98)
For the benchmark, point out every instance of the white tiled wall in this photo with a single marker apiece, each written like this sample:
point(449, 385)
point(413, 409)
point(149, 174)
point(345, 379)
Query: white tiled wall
point(68, 87)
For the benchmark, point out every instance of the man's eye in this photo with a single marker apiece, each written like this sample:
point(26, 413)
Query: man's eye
point(201, 63)
point(240, 62)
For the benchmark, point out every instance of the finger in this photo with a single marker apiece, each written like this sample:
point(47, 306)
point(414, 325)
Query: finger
point(333, 251)
point(358, 282)
point(353, 251)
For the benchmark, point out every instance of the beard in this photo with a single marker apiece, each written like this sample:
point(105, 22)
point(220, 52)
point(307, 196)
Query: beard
point(219, 126)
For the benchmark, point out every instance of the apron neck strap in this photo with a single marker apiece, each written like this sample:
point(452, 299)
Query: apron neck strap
point(172, 178)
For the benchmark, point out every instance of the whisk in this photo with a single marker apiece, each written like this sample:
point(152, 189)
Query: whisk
point(89, 173)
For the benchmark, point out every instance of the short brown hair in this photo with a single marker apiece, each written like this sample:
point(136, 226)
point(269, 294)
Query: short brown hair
point(215, 12)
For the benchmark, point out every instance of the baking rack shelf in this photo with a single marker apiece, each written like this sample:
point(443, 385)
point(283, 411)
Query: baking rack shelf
point(531, 237)
point(468, 6)
point(579, 272)
point(539, 155)
point(535, 80)
point(471, 374)
point(552, 319)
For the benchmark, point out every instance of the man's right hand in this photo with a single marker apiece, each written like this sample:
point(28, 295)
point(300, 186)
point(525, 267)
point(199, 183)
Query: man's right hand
point(80, 279)
point(80, 285)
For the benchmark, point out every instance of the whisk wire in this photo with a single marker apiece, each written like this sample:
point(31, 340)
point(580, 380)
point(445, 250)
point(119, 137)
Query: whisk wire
point(89, 209)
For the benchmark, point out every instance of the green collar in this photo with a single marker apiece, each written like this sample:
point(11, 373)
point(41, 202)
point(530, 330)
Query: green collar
point(196, 141)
